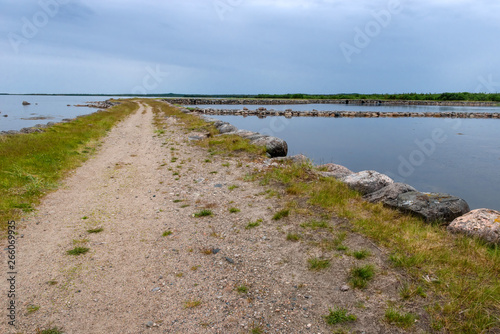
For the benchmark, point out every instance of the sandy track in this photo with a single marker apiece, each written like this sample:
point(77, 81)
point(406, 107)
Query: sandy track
point(133, 277)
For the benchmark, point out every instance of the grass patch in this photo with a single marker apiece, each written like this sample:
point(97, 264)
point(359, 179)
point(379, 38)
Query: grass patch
point(53, 330)
point(293, 237)
point(403, 320)
point(242, 289)
point(315, 224)
point(361, 254)
point(32, 308)
point(32, 164)
point(203, 213)
point(338, 316)
point(95, 230)
point(167, 233)
point(178, 200)
point(234, 210)
point(318, 263)
point(253, 224)
point(281, 214)
point(192, 303)
point(78, 251)
point(360, 276)
point(232, 187)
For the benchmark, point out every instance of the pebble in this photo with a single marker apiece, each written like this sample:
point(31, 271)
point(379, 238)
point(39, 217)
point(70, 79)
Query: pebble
point(150, 324)
point(155, 289)
point(215, 250)
point(344, 288)
point(229, 260)
point(218, 185)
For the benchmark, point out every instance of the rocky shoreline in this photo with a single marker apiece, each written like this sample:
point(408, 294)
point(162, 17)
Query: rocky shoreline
point(263, 112)
point(444, 209)
point(198, 101)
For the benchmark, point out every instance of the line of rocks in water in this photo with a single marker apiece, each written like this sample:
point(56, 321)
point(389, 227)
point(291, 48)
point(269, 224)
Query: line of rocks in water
point(263, 112)
point(213, 101)
point(376, 187)
point(35, 128)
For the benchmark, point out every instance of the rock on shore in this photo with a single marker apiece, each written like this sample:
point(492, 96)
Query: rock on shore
point(367, 181)
point(482, 223)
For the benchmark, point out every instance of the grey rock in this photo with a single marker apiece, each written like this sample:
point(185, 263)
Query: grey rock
point(226, 128)
point(150, 324)
point(228, 259)
point(215, 250)
point(482, 223)
point(334, 170)
point(367, 182)
point(390, 192)
point(26, 103)
point(344, 288)
point(275, 147)
point(155, 289)
point(432, 207)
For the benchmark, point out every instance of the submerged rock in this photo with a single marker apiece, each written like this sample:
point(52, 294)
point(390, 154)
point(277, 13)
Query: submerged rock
point(26, 103)
point(482, 223)
point(367, 182)
point(432, 207)
point(390, 192)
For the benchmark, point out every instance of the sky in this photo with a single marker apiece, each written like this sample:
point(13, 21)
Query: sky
point(249, 46)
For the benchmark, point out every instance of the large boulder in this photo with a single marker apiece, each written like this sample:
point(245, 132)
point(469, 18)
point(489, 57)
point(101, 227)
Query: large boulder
point(275, 147)
point(367, 182)
point(388, 193)
point(226, 128)
point(334, 170)
point(432, 207)
point(483, 223)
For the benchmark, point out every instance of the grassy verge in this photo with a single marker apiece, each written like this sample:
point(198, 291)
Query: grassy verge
point(216, 144)
point(460, 274)
point(33, 164)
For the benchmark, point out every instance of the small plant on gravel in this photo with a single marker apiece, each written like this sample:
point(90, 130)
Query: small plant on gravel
point(85, 217)
point(192, 303)
point(174, 159)
point(78, 251)
point(184, 206)
point(293, 237)
point(234, 210)
point(178, 200)
point(362, 275)
point(338, 315)
point(281, 214)
point(208, 161)
point(214, 172)
point(361, 254)
point(95, 230)
point(315, 224)
point(256, 330)
point(317, 264)
point(53, 330)
point(232, 187)
point(403, 320)
point(253, 224)
point(167, 233)
point(203, 213)
point(32, 308)
point(52, 282)
point(226, 164)
point(242, 289)
point(407, 291)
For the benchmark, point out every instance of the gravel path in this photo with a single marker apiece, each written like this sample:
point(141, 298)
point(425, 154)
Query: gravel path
point(138, 279)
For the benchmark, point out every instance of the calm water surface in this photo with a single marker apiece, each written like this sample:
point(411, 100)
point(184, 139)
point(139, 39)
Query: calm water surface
point(456, 156)
point(53, 107)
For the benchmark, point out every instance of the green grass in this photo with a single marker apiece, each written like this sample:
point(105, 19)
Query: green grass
point(360, 276)
point(192, 303)
point(338, 316)
point(242, 289)
point(318, 263)
point(254, 224)
point(167, 233)
point(234, 210)
point(293, 237)
point(403, 320)
point(281, 214)
point(33, 164)
point(95, 230)
point(456, 272)
point(78, 251)
point(53, 330)
point(361, 254)
point(32, 308)
point(256, 330)
point(315, 224)
point(232, 187)
point(203, 213)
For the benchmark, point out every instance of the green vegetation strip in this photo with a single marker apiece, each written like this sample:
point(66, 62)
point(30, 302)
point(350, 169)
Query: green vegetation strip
point(33, 164)
point(461, 275)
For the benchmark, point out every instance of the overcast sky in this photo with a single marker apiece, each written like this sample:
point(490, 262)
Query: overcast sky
point(249, 46)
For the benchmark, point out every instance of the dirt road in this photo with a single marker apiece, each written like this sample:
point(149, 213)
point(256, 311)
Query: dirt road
point(154, 268)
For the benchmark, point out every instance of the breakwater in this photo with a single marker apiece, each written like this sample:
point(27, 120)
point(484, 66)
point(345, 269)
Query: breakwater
point(263, 112)
point(202, 101)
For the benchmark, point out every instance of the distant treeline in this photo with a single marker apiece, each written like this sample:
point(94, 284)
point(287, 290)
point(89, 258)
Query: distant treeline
point(465, 96)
